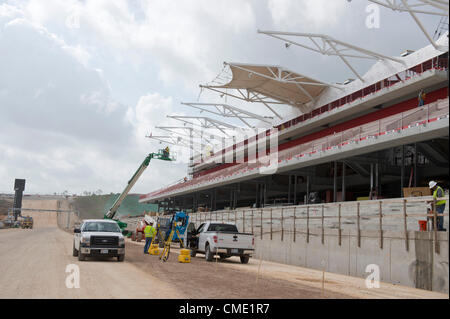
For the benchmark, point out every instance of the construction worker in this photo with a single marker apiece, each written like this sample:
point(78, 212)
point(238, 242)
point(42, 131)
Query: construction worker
point(421, 98)
point(149, 232)
point(438, 192)
point(166, 152)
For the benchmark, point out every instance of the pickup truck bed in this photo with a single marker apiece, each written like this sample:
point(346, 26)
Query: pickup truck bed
point(211, 240)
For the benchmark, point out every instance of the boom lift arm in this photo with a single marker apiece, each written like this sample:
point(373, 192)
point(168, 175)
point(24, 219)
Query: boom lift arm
point(163, 155)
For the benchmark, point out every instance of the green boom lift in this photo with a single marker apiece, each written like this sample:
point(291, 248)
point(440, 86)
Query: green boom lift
point(163, 155)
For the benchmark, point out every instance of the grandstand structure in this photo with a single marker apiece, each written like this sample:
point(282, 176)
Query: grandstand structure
point(366, 138)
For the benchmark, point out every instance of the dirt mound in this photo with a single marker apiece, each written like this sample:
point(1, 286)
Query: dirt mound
point(98, 205)
point(41, 219)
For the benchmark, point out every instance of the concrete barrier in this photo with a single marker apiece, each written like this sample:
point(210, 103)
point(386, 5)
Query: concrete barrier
point(419, 267)
point(346, 237)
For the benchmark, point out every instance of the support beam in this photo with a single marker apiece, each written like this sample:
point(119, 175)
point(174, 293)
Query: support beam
point(226, 110)
point(377, 179)
point(432, 152)
point(289, 188)
point(335, 182)
point(415, 164)
point(308, 186)
point(295, 190)
point(429, 7)
point(331, 46)
point(358, 168)
point(402, 172)
point(265, 194)
point(343, 182)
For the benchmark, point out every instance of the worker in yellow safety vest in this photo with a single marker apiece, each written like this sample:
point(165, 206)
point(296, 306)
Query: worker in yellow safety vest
point(166, 152)
point(421, 98)
point(149, 232)
point(438, 192)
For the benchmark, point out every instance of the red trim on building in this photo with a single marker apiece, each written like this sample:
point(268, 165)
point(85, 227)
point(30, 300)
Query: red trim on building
point(374, 116)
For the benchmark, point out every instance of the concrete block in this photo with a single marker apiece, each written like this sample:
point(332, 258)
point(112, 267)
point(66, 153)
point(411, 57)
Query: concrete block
point(402, 261)
point(339, 255)
point(297, 251)
point(316, 252)
point(441, 268)
point(370, 253)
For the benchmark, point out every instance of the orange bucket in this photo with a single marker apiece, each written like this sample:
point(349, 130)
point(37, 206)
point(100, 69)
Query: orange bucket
point(422, 225)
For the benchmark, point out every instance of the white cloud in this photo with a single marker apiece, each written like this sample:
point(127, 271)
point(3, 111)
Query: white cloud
point(150, 111)
point(60, 127)
point(306, 14)
point(183, 38)
point(79, 53)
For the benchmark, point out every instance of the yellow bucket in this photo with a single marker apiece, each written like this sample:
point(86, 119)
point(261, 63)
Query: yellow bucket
point(154, 246)
point(184, 258)
point(185, 252)
point(154, 251)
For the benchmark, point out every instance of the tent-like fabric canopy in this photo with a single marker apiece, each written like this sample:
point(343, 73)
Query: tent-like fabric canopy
point(275, 82)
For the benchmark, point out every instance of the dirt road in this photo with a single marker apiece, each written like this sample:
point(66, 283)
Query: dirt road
point(33, 265)
point(263, 279)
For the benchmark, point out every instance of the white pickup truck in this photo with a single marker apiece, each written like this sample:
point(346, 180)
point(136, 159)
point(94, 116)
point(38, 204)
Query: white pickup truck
point(98, 237)
point(223, 239)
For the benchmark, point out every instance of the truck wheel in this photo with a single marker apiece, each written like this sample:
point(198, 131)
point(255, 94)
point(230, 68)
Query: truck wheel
point(81, 257)
point(245, 259)
point(208, 254)
point(193, 252)
point(75, 252)
point(121, 257)
point(139, 237)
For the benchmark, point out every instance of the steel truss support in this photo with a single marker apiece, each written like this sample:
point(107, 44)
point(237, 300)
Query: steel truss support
point(204, 122)
point(327, 45)
point(246, 95)
point(430, 7)
point(177, 141)
point(229, 111)
point(207, 136)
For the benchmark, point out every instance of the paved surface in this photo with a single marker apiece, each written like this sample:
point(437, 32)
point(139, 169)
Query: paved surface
point(33, 265)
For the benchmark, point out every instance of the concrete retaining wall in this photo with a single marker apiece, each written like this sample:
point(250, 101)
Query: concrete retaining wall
point(282, 238)
point(418, 267)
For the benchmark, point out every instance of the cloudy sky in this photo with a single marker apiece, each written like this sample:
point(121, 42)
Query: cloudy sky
point(83, 81)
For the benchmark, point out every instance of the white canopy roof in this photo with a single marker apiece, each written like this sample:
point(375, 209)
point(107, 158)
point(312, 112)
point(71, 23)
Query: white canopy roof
point(272, 82)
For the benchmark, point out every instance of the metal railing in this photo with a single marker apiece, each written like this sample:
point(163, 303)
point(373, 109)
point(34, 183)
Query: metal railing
point(395, 123)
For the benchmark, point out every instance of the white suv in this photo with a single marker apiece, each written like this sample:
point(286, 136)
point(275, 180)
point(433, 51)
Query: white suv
point(98, 237)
